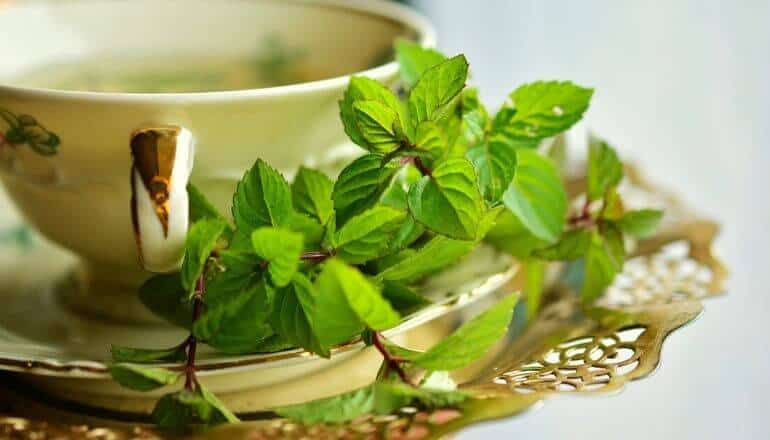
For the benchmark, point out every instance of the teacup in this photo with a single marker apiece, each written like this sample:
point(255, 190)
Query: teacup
point(224, 82)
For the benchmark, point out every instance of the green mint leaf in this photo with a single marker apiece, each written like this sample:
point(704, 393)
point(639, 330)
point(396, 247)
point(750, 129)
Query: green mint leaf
point(543, 109)
point(200, 207)
point(335, 409)
point(430, 137)
point(435, 255)
point(360, 185)
point(364, 89)
point(501, 128)
point(405, 300)
point(449, 201)
point(474, 117)
point(238, 323)
point(182, 409)
point(311, 230)
point(571, 246)
point(407, 234)
point(471, 341)
point(613, 208)
point(141, 378)
point(147, 355)
point(367, 235)
point(616, 244)
point(641, 223)
point(390, 397)
point(414, 60)
point(377, 123)
point(202, 238)
point(436, 89)
point(219, 413)
point(292, 313)
point(604, 168)
point(495, 162)
point(238, 271)
point(274, 344)
point(165, 296)
point(281, 249)
point(537, 196)
point(311, 193)
point(262, 198)
point(533, 286)
point(347, 303)
point(511, 236)
point(600, 268)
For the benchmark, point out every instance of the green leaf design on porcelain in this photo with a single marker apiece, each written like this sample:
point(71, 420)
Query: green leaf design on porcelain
point(26, 130)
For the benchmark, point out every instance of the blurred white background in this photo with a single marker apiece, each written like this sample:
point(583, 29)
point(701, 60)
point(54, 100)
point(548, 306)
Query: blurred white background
point(683, 88)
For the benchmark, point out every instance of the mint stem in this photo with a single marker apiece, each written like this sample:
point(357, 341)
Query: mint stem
point(391, 362)
point(418, 163)
point(191, 381)
point(315, 256)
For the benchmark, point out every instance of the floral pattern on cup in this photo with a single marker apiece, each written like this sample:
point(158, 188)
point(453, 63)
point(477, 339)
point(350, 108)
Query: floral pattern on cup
point(26, 130)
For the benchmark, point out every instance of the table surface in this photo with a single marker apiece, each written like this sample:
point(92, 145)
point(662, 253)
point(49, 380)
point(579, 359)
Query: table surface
point(681, 88)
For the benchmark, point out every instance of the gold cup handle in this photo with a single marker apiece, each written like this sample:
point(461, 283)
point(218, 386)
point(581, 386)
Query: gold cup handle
point(162, 160)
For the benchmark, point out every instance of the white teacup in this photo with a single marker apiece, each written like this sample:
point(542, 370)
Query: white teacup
point(246, 78)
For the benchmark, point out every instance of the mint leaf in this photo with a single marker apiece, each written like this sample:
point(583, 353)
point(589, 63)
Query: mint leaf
point(613, 208)
point(364, 89)
point(311, 193)
point(430, 137)
point(600, 268)
point(407, 234)
point(543, 109)
point(360, 185)
point(604, 168)
point(281, 249)
point(200, 207)
point(495, 161)
point(311, 230)
point(219, 413)
point(536, 196)
point(380, 398)
point(367, 235)
point(141, 378)
point(202, 238)
point(182, 409)
point(336, 409)
point(237, 324)
point(641, 223)
point(165, 296)
point(147, 355)
point(474, 117)
point(511, 236)
point(405, 300)
point(414, 60)
point(377, 123)
point(239, 271)
point(292, 313)
point(435, 255)
point(448, 201)
point(571, 246)
point(347, 303)
point(262, 198)
point(533, 286)
point(390, 397)
point(436, 89)
point(471, 341)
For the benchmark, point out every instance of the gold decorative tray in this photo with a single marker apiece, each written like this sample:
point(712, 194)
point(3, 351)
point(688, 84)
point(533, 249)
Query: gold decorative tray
point(566, 349)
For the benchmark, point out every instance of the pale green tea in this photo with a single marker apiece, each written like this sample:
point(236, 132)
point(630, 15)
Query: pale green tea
point(164, 74)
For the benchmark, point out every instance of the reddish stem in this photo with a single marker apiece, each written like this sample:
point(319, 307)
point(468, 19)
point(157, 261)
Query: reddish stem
point(315, 256)
point(583, 218)
point(418, 163)
point(391, 362)
point(191, 381)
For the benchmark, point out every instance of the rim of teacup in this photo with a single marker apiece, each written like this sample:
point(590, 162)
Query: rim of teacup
point(383, 9)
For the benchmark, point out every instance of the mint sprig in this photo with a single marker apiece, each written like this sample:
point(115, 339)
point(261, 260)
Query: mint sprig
point(319, 261)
